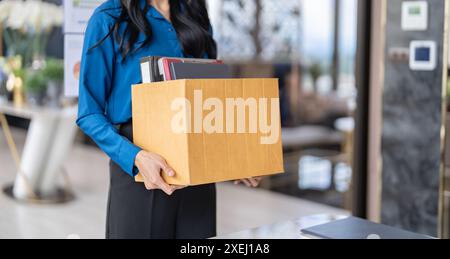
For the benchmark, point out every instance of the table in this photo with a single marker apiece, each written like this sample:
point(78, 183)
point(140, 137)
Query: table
point(49, 139)
point(285, 230)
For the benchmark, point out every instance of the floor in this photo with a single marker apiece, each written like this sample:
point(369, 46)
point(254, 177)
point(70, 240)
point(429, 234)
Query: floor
point(239, 208)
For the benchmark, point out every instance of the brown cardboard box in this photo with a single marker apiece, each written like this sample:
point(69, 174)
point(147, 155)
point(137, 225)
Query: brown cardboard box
point(210, 130)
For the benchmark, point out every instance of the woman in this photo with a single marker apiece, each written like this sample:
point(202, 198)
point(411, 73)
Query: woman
point(119, 33)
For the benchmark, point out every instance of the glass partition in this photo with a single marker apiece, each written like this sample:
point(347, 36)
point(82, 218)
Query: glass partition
point(310, 46)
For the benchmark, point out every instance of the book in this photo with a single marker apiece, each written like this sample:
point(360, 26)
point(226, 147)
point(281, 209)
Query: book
point(149, 70)
point(199, 71)
point(157, 69)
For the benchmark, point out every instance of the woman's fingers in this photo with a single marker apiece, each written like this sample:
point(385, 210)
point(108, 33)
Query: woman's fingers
point(166, 168)
point(247, 182)
point(150, 165)
point(169, 171)
point(165, 187)
point(257, 181)
point(254, 182)
point(156, 181)
point(148, 184)
point(250, 182)
point(168, 189)
point(243, 181)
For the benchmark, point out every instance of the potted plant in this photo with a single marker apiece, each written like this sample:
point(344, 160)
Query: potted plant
point(54, 74)
point(26, 27)
point(35, 87)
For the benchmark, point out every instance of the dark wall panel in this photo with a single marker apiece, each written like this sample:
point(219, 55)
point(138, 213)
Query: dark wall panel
point(411, 139)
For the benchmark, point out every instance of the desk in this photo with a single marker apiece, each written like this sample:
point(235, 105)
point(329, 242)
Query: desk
point(284, 230)
point(49, 139)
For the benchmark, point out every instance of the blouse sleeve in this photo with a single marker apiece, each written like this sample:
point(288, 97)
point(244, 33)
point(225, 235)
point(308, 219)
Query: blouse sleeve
point(97, 66)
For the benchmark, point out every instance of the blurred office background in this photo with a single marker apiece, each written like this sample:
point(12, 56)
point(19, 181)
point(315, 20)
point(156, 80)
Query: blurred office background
point(318, 50)
point(295, 41)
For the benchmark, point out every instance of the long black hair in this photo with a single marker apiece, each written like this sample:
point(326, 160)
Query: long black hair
point(189, 18)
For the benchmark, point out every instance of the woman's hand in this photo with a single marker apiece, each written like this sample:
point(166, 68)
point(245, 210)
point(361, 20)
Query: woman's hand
point(150, 166)
point(250, 182)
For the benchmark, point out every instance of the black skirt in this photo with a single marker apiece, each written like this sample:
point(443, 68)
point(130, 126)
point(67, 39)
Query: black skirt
point(137, 213)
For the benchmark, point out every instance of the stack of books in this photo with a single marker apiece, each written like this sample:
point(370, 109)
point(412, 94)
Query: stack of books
point(157, 69)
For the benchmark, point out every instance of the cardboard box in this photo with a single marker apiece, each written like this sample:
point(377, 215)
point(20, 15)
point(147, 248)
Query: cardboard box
point(206, 128)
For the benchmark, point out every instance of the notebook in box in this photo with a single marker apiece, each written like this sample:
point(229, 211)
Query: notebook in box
point(164, 65)
point(200, 71)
